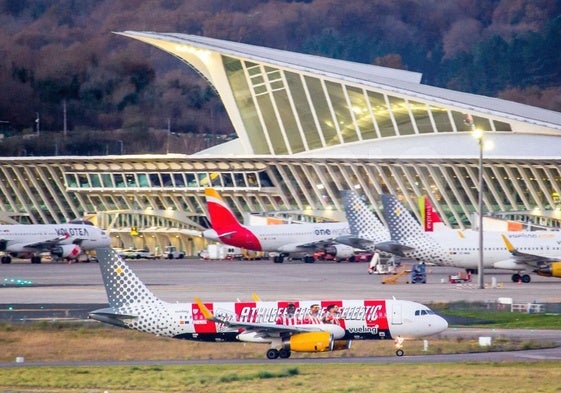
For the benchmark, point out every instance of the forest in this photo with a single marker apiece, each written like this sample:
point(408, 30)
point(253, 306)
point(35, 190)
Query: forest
point(61, 57)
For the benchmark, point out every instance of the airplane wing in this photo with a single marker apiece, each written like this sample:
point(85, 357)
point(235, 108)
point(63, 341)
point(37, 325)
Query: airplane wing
point(258, 327)
point(47, 244)
point(395, 248)
point(524, 259)
point(315, 245)
point(356, 242)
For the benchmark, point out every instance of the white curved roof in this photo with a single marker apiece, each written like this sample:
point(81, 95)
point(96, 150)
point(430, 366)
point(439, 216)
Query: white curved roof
point(399, 81)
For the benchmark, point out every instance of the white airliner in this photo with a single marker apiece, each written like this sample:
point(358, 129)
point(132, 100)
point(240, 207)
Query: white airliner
point(296, 240)
point(537, 251)
point(287, 326)
point(62, 240)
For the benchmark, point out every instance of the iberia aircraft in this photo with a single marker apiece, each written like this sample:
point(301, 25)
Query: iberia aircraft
point(537, 251)
point(63, 240)
point(286, 326)
point(297, 240)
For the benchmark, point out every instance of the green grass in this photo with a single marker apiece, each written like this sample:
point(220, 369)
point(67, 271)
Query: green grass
point(296, 377)
point(503, 319)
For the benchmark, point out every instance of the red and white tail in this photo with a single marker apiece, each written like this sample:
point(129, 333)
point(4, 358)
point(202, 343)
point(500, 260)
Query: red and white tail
point(221, 217)
point(429, 216)
point(229, 230)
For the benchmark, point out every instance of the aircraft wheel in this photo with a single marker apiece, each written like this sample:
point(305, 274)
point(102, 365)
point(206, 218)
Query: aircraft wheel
point(278, 259)
point(272, 353)
point(284, 353)
point(35, 259)
point(309, 259)
point(526, 278)
point(6, 259)
point(516, 277)
point(399, 352)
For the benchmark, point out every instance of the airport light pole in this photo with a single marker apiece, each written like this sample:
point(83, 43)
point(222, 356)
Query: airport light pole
point(480, 281)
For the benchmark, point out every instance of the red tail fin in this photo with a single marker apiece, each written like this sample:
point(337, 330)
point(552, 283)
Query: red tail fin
point(428, 214)
point(224, 222)
point(221, 217)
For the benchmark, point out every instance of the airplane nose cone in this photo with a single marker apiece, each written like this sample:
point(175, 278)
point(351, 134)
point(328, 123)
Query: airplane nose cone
point(440, 325)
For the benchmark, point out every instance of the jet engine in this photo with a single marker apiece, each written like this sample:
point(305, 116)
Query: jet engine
point(551, 269)
point(340, 251)
point(310, 342)
point(66, 251)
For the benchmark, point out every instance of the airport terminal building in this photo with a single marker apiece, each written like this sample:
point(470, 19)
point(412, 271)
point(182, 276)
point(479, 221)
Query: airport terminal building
point(307, 127)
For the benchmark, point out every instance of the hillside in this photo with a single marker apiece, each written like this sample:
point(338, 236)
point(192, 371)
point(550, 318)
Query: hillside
point(61, 55)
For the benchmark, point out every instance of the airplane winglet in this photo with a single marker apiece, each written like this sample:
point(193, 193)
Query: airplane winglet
point(508, 244)
point(255, 297)
point(206, 312)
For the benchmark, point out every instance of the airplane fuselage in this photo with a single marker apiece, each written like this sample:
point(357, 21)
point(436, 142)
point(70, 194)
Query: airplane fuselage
point(288, 238)
point(37, 237)
point(461, 249)
point(359, 319)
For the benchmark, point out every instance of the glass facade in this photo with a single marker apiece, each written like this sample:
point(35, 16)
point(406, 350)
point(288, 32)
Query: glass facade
point(286, 113)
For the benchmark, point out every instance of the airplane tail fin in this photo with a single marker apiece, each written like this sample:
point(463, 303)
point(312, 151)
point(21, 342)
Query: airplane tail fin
point(123, 287)
point(363, 223)
point(401, 223)
point(429, 216)
point(221, 217)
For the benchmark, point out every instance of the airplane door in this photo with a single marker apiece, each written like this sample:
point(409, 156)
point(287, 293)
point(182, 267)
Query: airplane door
point(397, 315)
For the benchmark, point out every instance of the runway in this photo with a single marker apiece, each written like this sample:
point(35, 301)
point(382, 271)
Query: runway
point(70, 291)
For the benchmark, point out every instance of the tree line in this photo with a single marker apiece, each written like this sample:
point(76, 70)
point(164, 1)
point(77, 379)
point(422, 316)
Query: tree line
point(62, 68)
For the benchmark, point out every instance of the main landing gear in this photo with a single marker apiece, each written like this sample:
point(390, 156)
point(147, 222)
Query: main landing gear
point(525, 278)
point(280, 258)
point(273, 353)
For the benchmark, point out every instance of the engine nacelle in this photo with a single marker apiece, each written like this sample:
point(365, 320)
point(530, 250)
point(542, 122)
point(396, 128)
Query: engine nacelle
point(66, 251)
point(310, 342)
point(253, 337)
point(509, 264)
point(552, 269)
point(340, 251)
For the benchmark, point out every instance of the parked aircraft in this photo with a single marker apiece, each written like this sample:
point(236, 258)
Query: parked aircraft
point(461, 248)
point(62, 240)
point(296, 240)
point(429, 216)
point(287, 326)
point(366, 228)
point(540, 264)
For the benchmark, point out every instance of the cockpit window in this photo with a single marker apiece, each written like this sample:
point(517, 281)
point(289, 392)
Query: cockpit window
point(427, 311)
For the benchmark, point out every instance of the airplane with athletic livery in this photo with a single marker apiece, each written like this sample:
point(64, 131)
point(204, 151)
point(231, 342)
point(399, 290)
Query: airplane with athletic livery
point(61, 240)
point(294, 240)
point(286, 326)
point(461, 248)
